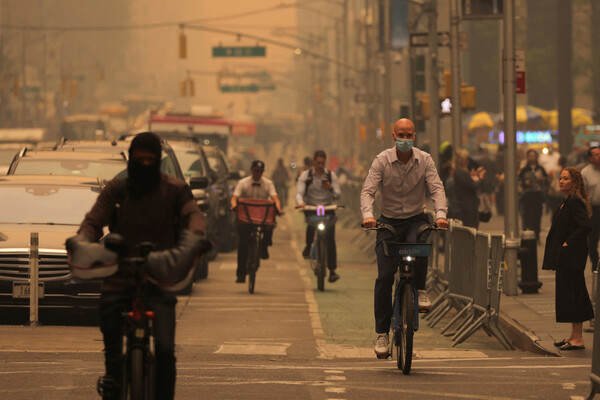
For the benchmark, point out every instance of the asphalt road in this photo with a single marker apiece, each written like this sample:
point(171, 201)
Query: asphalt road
point(287, 341)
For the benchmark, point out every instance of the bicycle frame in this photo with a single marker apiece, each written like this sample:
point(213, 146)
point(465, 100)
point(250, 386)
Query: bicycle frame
point(323, 216)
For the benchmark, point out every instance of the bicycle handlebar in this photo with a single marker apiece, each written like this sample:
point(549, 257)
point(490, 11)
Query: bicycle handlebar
point(422, 230)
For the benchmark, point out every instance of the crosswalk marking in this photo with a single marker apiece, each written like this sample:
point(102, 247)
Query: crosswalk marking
point(253, 348)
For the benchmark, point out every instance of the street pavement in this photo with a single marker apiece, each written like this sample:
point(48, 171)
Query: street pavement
point(290, 341)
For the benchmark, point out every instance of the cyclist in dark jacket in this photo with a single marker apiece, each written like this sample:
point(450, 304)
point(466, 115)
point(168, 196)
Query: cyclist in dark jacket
point(148, 206)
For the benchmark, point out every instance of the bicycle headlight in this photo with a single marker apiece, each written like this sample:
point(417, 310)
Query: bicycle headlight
point(409, 258)
point(321, 226)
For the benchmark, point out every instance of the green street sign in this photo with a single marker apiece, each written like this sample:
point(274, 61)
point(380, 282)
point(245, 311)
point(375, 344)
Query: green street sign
point(239, 88)
point(239, 51)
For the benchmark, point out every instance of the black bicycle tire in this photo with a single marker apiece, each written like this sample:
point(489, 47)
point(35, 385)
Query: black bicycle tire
point(151, 376)
point(407, 328)
point(137, 374)
point(252, 262)
point(321, 263)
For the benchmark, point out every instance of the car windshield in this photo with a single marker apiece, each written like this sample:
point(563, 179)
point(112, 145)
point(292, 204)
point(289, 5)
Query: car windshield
point(105, 169)
point(190, 162)
point(7, 155)
point(215, 163)
point(45, 204)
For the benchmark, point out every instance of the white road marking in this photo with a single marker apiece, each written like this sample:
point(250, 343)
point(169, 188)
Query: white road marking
point(333, 371)
point(335, 378)
point(228, 266)
point(272, 349)
point(577, 398)
point(452, 354)
point(568, 386)
point(335, 390)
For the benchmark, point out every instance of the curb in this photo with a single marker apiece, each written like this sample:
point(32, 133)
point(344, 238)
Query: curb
point(522, 338)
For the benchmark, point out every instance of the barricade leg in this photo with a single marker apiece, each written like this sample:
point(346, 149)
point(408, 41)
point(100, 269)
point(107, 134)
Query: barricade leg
point(441, 314)
point(463, 334)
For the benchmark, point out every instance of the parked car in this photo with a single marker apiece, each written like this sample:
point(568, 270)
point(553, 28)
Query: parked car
point(224, 186)
point(52, 206)
point(93, 165)
point(194, 165)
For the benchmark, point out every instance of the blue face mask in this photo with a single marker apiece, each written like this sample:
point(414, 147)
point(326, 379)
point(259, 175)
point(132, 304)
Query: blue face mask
point(404, 145)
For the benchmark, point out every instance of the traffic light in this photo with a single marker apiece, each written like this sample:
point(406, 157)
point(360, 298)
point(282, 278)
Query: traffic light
point(448, 83)
point(73, 88)
point(182, 45)
point(424, 106)
point(468, 97)
point(16, 87)
point(318, 93)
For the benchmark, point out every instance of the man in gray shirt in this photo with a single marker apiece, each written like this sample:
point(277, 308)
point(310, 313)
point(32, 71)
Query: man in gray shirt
point(318, 186)
point(400, 174)
point(591, 177)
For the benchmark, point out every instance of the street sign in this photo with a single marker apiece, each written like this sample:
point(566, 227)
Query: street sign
point(422, 39)
point(239, 51)
point(482, 9)
point(239, 88)
point(367, 98)
point(520, 70)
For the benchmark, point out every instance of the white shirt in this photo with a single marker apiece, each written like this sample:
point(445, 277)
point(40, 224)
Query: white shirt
point(402, 185)
point(591, 178)
point(249, 189)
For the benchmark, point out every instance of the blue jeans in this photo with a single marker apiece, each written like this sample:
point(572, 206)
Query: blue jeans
point(406, 230)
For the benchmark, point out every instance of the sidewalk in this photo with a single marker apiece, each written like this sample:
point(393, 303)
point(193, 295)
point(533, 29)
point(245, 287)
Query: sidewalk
point(529, 319)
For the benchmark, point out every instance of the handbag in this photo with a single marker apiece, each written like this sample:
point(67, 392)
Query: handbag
point(485, 207)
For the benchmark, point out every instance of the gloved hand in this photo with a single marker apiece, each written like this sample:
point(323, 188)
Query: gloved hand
point(90, 260)
point(173, 265)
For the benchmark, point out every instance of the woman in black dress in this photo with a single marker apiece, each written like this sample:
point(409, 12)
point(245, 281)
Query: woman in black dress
point(566, 253)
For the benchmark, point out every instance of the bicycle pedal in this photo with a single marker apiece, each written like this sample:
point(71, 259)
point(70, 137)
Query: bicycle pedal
point(424, 310)
point(383, 356)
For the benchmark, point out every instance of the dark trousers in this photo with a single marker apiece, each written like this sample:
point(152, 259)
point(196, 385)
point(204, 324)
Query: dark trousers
point(244, 231)
point(331, 247)
point(386, 266)
point(112, 305)
point(594, 236)
point(531, 207)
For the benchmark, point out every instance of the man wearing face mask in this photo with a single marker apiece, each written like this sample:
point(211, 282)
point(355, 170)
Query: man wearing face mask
point(401, 173)
point(147, 206)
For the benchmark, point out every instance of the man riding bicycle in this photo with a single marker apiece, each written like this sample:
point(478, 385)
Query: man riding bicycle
point(401, 173)
point(254, 186)
point(147, 206)
point(318, 186)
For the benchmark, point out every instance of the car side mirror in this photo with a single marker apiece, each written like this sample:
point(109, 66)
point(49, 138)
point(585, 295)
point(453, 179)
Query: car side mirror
point(115, 242)
point(235, 175)
point(198, 182)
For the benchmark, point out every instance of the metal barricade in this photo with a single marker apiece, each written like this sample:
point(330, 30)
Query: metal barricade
point(595, 375)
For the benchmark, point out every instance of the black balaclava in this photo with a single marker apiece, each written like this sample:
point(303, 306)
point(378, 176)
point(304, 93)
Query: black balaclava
point(143, 178)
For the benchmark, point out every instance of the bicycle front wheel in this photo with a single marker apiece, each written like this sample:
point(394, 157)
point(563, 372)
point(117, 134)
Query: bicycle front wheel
point(404, 335)
point(321, 263)
point(136, 374)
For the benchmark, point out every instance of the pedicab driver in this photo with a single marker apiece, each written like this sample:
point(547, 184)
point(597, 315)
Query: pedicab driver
point(401, 174)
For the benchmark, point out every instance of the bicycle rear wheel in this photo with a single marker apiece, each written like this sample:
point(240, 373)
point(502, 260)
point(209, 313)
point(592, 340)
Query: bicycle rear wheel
point(252, 264)
point(136, 375)
point(404, 335)
point(321, 263)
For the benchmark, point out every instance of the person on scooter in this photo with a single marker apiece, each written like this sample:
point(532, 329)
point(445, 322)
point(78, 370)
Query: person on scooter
point(147, 206)
point(254, 186)
point(318, 186)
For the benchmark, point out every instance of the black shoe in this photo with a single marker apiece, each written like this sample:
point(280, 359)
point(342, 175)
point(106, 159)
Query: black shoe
point(264, 253)
point(240, 279)
point(561, 343)
point(306, 252)
point(569, 346)
point(333, 276)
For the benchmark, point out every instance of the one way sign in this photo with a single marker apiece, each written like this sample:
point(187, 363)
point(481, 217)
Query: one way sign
point(422, 40)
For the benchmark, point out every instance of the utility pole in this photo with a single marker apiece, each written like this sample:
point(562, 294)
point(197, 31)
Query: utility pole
point(511, 220)
point(564, 52)
point(346, 127)
point(387, 78)
point(456, 76)
point(432, 82)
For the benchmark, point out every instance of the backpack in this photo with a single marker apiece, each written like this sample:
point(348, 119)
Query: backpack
point(311, 177)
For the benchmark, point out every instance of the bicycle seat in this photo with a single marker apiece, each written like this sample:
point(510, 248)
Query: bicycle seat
point(397, 249)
